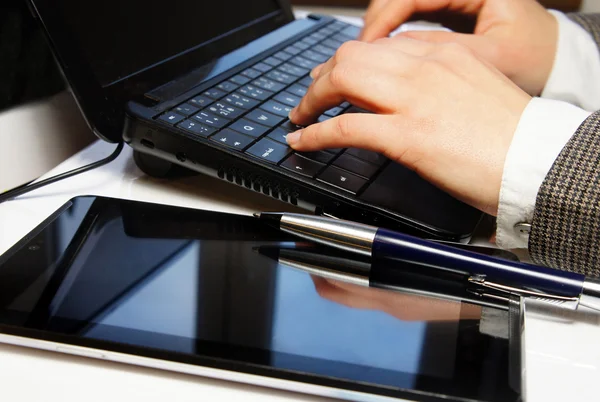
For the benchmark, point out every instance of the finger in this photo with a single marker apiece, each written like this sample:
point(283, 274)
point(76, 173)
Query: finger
point(379, 133)
point(366, 86)
point(372, 11)
point(395, 13)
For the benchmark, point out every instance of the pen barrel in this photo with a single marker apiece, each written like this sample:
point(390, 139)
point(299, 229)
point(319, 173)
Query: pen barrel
point(392, 245)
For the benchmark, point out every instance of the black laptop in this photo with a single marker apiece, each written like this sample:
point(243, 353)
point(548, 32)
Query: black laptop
point(209, 84)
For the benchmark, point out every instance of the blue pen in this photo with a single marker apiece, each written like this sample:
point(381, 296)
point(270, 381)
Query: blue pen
point(569, 289)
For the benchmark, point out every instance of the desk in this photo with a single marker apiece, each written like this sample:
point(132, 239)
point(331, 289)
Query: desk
point(561, 350)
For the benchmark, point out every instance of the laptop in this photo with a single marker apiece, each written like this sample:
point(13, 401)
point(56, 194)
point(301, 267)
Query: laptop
point(209, 85)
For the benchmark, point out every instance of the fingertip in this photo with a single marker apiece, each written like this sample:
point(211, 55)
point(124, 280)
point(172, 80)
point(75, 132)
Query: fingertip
point(293, 138)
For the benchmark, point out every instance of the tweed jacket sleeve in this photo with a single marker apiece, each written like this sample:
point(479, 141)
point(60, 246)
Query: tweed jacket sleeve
point(565, 230)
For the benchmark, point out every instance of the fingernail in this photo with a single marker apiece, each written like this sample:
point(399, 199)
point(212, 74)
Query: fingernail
point(312, 74)
point(294, 137)
point(292, 113)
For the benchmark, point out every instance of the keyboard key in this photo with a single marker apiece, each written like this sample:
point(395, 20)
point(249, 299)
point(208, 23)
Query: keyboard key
point(293, 70)
point(327, 31)
point(171, 117)
point(228, 86)
point(264, 118)
point(287, 99)
point(186, 109)
point(317, 36)
point(196, 128)
point(210, 120)
point(298, 90)
point(342, 179)
point(306, 81)
point(303, 166)
point(323, 118)
point(200, 101)
point(319, 156)
point(292, 50)
point(289, 126)
point(335, 111)
point(327, 51)
point(214, 93)
point(272, 61)
point(351, 31)
point(239, 100)
point(251, 73)
point(279, 135)
point(334, 151)
point(283, 55)
point(339, 25)
point(345, 105)
point(254, 92)
point(225, 110)
point(232, 139)
point(249, 128)
point(302, 45)
point(276, 108)
point(369, 156)
point(269, 150)
point(310, 41)
point(314, 56)
point(341, 37)
point(304, 63)
point(281, 77)
point(355, 165)
point(334, 44)
point(268, 84)
point(240, 80)
point(262, 67)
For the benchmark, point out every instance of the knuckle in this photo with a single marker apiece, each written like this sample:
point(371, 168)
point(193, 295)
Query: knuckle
point(339, 75)
point(454, 50)
point(346, 50)
point(343, 128)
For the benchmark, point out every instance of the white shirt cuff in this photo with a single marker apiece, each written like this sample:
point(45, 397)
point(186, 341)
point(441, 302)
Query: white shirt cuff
point(575, 75)
point(544, 129)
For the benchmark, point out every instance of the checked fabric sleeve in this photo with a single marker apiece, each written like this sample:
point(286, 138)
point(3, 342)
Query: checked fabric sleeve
point(565, 230)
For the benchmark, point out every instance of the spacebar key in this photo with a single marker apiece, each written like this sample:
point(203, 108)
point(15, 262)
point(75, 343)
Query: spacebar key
point(342, 179)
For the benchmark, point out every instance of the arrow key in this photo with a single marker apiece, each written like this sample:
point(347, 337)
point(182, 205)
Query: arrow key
point(232, 139)
point(302, 166)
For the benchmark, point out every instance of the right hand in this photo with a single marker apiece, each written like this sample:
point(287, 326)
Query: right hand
point(518, 37)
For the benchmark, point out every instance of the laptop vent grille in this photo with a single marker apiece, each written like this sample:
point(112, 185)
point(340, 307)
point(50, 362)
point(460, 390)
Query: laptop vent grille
point(259, 184)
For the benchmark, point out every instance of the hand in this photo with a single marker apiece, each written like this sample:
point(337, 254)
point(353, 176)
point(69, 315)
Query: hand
point(443, 112)
point(517, 36)
point(402, 306)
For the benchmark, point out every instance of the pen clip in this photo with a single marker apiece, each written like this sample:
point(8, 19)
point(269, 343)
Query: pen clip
point(569, 302)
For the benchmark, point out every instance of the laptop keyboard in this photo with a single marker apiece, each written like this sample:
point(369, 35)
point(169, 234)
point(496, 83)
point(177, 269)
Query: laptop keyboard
point(248, 112)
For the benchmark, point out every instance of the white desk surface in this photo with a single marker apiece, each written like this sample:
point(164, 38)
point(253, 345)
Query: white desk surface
point(561, 350)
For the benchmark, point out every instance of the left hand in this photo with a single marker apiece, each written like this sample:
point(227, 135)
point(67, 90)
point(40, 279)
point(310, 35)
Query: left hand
point(442, 112)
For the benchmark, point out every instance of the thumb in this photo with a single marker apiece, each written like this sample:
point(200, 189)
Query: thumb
point(354, 130)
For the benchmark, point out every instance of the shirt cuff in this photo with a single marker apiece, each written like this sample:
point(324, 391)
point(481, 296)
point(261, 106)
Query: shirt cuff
point(544, 129)
point(575, 75)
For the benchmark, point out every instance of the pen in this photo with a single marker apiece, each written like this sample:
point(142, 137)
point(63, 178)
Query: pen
point(565, 288)
point(329, 263)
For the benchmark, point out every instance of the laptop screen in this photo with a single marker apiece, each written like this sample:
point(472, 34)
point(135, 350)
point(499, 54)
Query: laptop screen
point(121, 38)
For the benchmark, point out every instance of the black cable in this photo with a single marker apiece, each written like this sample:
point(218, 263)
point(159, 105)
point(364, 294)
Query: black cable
point(7, 195)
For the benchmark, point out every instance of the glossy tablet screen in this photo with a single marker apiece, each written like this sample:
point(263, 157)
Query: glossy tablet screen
point(192, 287)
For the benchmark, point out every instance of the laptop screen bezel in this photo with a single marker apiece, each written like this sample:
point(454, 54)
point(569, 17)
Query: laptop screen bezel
point(103, 107)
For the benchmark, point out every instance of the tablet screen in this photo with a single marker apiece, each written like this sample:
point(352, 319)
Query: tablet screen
point(191, 287)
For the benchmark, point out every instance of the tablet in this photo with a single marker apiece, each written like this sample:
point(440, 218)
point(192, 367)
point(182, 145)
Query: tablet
point(188, 291)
